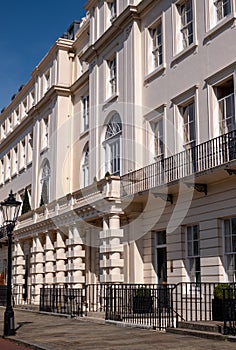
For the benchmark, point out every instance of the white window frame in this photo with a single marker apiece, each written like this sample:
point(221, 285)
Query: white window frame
point(229, 253)
point(112, 76)
point(189, 123)
point(185, 9)
point(159, 246)
point(179, 102)
point(32, 99)
point(22, 154)
point(152, 69)
point(3, 131)
point(85, 167)
point(112, 144)
point(30, 148)
point(212, 22)
point(220, 8)
point(226, 120)
point(45, 133)
point(45, 179)
point(112, 5)
point(216, 127)
point(47, 80)
point(157, 126)
point(16, 116)
point(24, 108)
point(14, 160)
point(157, 40)
point(180, 28)
point(85, 112)
point(7, 166)
point(193, 258)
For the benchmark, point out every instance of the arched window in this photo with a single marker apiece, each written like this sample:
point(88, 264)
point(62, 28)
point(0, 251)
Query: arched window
point(113, 145)
point(45, 184)
point(85, 167)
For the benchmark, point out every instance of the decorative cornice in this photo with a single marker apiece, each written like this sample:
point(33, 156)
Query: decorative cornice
point(118, 25)
point(84, 79)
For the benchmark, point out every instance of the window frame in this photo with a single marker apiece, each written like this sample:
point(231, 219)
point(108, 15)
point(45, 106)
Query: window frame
point(158, 245)
point(193, 259)
point(212, 24)
point(113, 145)
point(213, 83)
point(112, 76)
point(112, 6)
point(157, 45)
point(85, 166)
point(178, 49)
point(229, 254)
point(45, 130)
point(85, 113)
point(152, 70)
point(180, 101)
point(45, 176)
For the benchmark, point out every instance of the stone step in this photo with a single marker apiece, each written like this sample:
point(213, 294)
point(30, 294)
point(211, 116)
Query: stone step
point(213, 327)
point(96, 314)
point(197, 333)
point(31, 307)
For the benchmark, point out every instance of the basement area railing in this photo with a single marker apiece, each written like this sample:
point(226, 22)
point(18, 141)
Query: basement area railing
point(202, 157)
point(163, 306)
point(62, 300)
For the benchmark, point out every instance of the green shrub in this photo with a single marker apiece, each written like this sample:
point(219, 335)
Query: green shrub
point(143, 292)
point(218, 291)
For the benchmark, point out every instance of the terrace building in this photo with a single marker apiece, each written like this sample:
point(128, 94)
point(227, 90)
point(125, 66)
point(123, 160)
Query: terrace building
point(124, 139)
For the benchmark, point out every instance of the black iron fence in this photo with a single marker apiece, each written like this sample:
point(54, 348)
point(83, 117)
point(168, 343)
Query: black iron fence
point(149, 305)
point(146, 305)
point(202, 157)
point(162, 306)
point(96, 297)
point(229, 309)
point(62, 300)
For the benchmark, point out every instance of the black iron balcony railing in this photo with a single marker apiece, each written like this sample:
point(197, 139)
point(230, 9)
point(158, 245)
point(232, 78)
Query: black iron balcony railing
point(205, 156)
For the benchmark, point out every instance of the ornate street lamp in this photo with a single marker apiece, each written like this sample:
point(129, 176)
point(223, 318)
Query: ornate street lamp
point(10, 210)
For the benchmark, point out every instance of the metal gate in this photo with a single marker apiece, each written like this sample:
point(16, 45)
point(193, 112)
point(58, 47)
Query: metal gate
point(147, 305)
point(62, 300)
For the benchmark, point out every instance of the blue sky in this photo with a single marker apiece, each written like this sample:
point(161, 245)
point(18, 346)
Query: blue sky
point(28, 30)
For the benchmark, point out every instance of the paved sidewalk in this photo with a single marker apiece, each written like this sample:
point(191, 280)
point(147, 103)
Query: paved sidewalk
point(6, 344)
point(59, 333)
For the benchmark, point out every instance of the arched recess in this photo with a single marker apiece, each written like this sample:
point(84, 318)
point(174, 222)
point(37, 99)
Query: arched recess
point(45, 175)
point(85, 167)
point(112, 145)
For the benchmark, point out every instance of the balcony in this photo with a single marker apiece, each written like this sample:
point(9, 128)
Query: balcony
point(194, 161)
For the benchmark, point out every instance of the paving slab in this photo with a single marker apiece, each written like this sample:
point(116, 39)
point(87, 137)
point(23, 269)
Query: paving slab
point(6, 344)
point(49, 332)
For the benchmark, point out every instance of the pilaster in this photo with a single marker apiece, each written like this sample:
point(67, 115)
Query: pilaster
point(75, 255)
point(60, 258)
point(111, 250)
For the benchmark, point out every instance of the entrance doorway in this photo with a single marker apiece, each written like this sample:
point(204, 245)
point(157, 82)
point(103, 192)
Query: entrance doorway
point(161, 257)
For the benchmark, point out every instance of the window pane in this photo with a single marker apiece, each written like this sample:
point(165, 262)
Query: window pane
point(195, 232)
point(189, 234)
point(190, 250)
point(195, 248)
point(233, 222)
point(161, 238)
point(227, 227)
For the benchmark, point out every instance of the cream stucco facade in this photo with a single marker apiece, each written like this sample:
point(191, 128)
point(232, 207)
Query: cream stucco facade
point(124, 138)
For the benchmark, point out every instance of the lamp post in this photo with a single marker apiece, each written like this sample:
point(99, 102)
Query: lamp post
point(10, 210)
